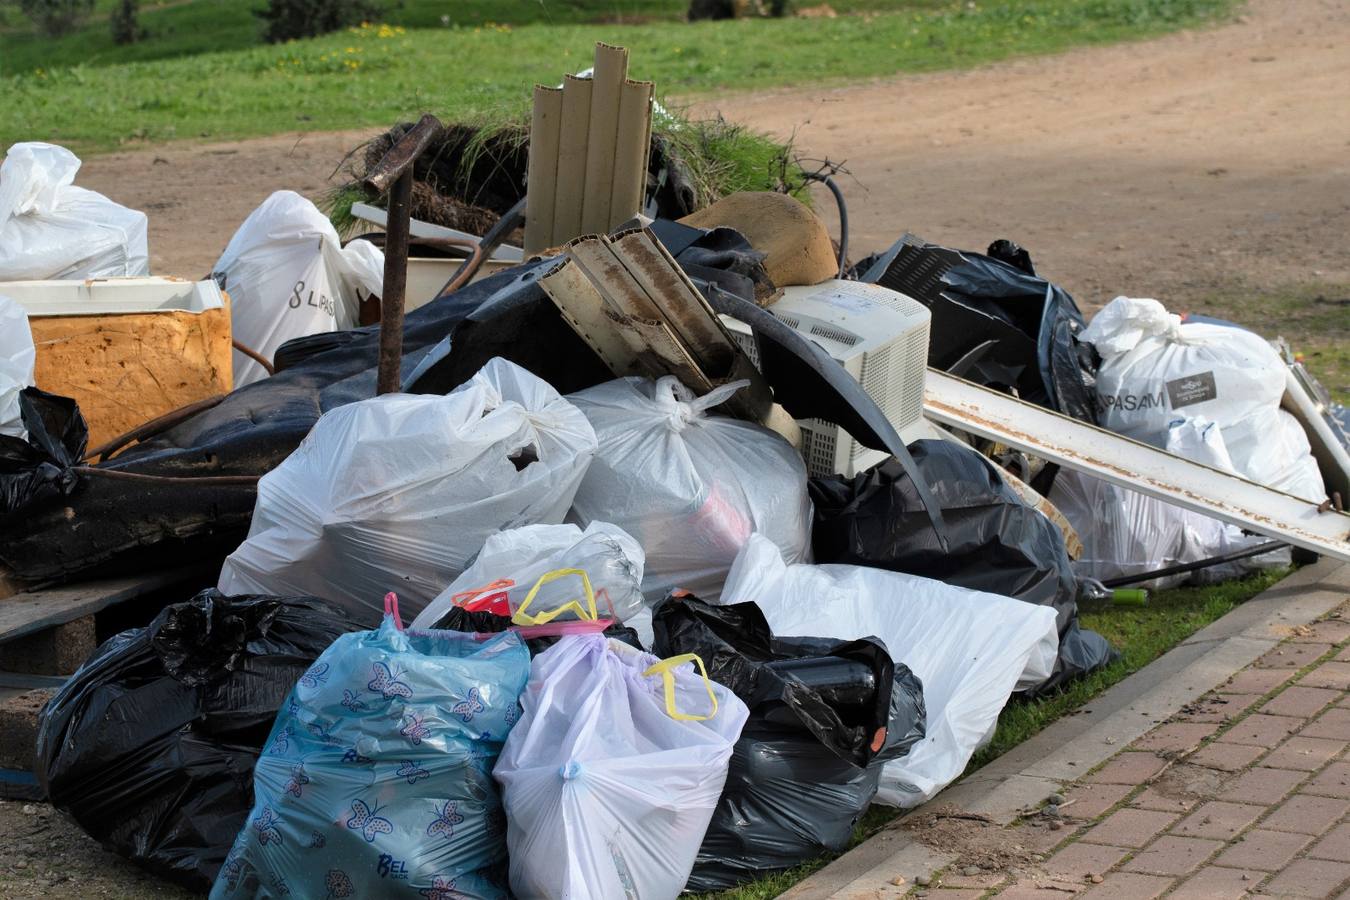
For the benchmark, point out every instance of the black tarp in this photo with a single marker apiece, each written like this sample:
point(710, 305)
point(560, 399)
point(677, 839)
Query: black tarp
point(997, 544)
point(824, 715)
point(150, 746)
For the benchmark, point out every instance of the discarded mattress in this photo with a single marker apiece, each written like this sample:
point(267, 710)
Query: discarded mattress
point(969, 649)
point(997, 543)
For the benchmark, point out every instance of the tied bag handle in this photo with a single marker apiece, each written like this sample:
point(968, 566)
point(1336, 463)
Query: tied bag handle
point(665, 668)
point(588, 613)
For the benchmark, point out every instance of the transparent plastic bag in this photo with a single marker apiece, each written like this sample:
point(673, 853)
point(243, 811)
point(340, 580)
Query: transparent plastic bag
point(17, 356)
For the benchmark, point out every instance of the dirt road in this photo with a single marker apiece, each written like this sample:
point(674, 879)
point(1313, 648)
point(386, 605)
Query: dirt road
point(1205, 161)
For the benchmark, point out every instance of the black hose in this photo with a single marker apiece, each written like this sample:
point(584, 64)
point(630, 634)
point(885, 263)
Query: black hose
point(843, 217)
point(1183, 568)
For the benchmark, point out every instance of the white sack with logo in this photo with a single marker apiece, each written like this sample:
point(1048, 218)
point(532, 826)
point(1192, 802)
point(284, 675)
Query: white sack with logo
point(288, 275)
point(1156, 370)
point(49, 228)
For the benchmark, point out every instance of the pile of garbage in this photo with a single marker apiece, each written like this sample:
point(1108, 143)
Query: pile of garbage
point(690, 580)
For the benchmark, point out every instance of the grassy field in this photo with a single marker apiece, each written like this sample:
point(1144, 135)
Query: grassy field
point(211, 80)
point(1142, 634)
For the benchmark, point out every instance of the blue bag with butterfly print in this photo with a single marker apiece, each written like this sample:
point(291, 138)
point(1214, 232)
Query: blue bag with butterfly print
point(376, 780)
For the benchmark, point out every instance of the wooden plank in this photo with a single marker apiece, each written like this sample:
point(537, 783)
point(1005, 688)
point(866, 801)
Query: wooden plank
point(34, 611)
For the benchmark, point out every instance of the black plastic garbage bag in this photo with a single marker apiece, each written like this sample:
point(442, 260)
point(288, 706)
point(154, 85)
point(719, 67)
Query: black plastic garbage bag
point(996, 322)
point(41, 465)
point(483, 622)
point(150, 746)
point(824, 715)
point(998, 543)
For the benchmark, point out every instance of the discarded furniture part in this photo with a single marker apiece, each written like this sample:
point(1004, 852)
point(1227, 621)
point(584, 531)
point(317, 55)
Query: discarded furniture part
point(880, 337)
point(995, 322)
point(49, 228)
point(611, 776)
point(1308, 402)
point(288, 276)
point(538, 574)
point(824, 715)
point(150, 747)
point(589, 144)
point(690, 486)
point(419, 229)
point(16, 363)
point(641, 314)
point(997, 541)
point(380, 764)
point(393, 175)
point(404, 489)
point(128, 349)
point(933, 628)
point(967, 407)
point(1156, 369)
point(795, 243)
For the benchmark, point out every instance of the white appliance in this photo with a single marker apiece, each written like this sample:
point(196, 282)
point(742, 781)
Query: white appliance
point(880, 337)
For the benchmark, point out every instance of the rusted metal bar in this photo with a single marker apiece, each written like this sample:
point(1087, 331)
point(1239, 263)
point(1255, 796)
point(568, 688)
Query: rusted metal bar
point(394, 174)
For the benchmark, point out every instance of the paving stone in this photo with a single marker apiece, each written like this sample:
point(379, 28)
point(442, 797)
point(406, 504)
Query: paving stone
point(984, 881)
point(1217, 707)
point(1336, 844)
point(1151, 798)
point(1334, 724)
point(1256, 681)
point(1043, 839)
point(1130, 767)
point(1130, 827)
point(1309, 878)
point(1333, 674)
point(1218, 819)
point(1303, 753)
point(1305, 814)
point(945, 893)
point(1176, 737)
point(1225, 757)
point(1262, 785)
point(1092, 800)
point(1173, 856)
point(1304, 702)
point(1263, 849)
point(1214, 883)
point(1129, 886)
point(1292, 656)
point(1344, 655)
point(1261, 730)
point(1328, 631)
point(1028, 890)
point(1333, 781)
point(1080, 859)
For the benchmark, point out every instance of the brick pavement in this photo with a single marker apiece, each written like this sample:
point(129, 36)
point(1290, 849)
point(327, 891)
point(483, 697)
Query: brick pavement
point(1246, 793)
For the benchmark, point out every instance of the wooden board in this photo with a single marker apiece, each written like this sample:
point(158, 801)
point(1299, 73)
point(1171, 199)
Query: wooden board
point(34, 611)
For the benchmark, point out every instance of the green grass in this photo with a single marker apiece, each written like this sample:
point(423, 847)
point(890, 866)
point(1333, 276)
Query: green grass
point(376, 76)
point(1142, 634)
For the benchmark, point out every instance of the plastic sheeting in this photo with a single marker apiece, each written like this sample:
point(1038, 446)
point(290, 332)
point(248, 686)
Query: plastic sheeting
point(997, 544)
point(400, 491)
point(552, 571)
point(969, 649)
point(377, 777)
point(1156, 369)
point(288, 275)
point(17, 356)
point(49, 228)
point(150, 746)
point(612, 774)
point(824, 713)
point(38, 465)
point(689, 486)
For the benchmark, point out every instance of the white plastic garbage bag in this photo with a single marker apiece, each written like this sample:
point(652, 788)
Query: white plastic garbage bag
point(537, 571)
point(970, 649)
point(400, 491)
point(16, 364)
point(689, 486)
point(1155, 369)
point(288, 275)
point(49, 228)
point(611, 776)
